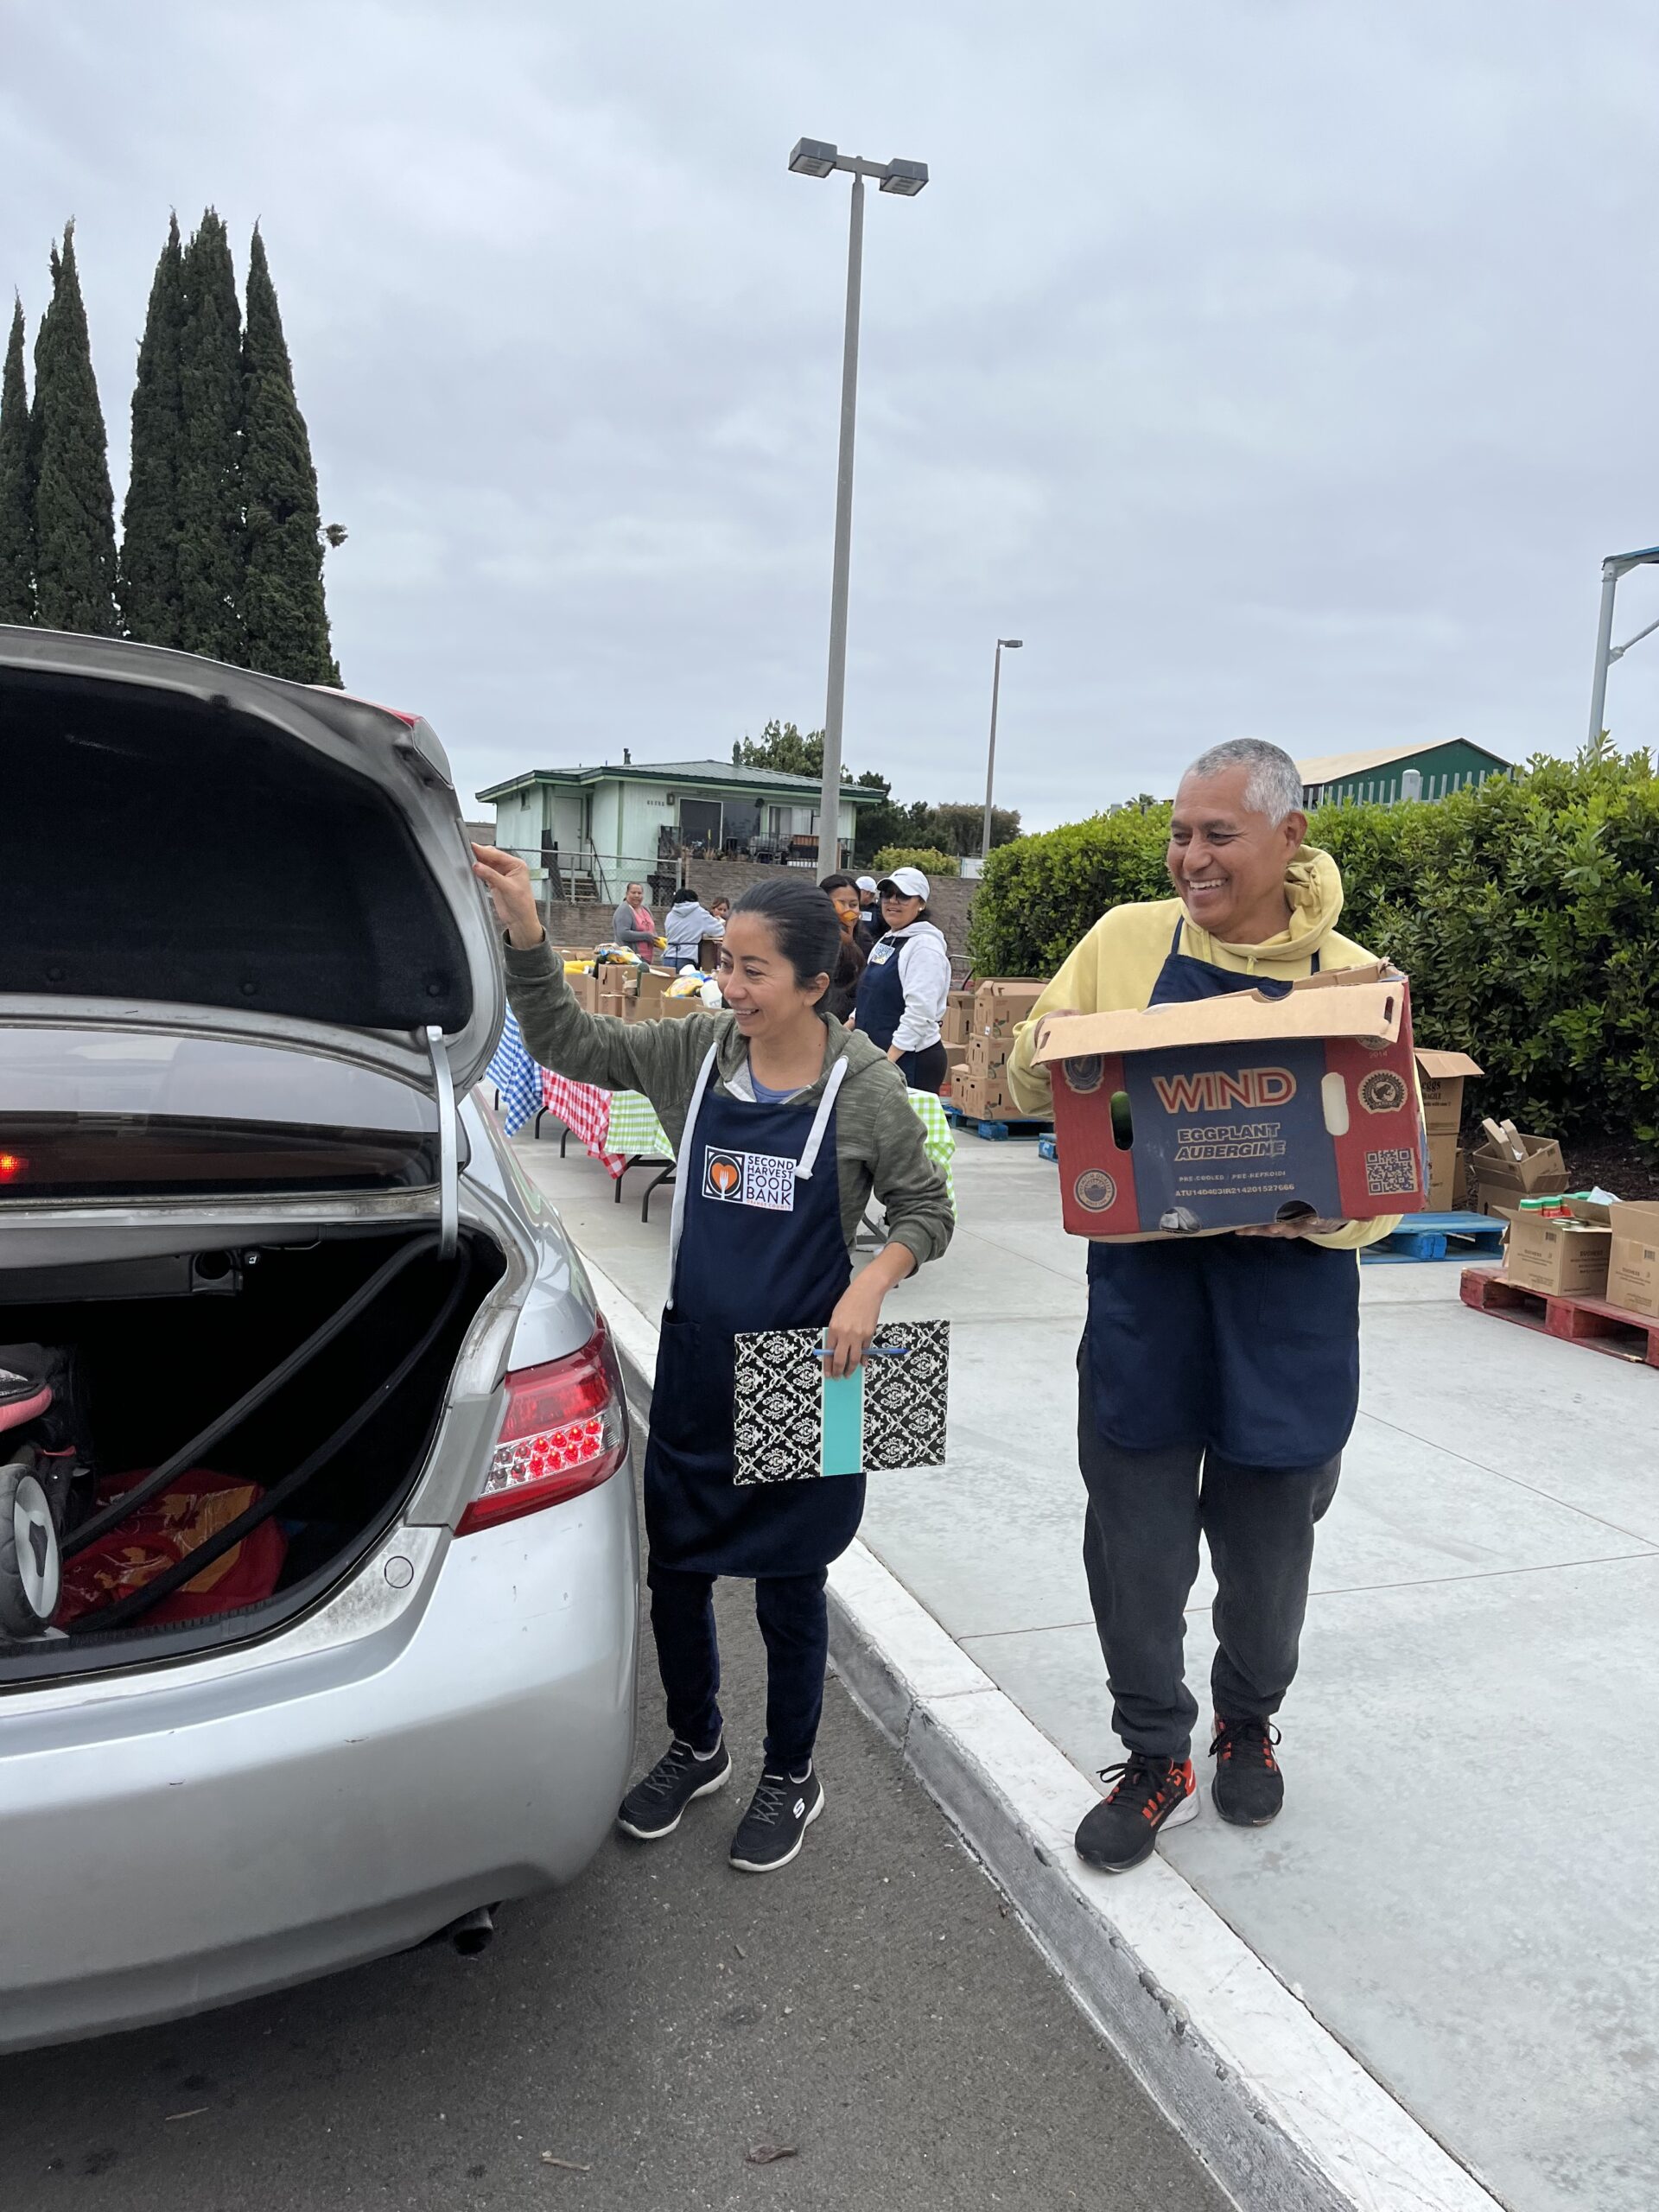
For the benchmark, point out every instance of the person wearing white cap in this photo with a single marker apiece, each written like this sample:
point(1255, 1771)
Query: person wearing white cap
point(869, 913)
point(907, 981)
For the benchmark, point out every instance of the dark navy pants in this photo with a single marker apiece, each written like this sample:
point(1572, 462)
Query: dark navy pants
point(1140, 1552)
point(795, 1628)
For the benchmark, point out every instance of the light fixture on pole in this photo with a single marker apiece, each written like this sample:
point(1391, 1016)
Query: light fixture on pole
point(816, 157)
point(1003, 645)
point(1615, 566)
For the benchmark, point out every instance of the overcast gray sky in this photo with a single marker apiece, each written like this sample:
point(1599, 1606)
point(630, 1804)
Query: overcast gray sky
point(1273, 367)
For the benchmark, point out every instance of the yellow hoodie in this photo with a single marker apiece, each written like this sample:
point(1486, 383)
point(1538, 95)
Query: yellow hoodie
point(1116, 966)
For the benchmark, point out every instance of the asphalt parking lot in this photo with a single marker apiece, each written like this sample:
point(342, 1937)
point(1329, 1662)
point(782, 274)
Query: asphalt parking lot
point(633, 2043)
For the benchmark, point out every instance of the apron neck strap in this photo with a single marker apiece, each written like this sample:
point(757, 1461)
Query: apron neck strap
point(1175, 942)
point(676, 1221)
point(820, 1122)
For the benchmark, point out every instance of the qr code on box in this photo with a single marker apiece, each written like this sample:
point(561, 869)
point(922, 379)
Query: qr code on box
point(1391, 1174)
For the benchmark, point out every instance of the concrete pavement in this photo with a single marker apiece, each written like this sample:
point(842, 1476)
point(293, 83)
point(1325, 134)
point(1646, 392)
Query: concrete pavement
point(1480, 1640)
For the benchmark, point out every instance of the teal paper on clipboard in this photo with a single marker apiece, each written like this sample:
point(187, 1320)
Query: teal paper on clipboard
point(793, 1423)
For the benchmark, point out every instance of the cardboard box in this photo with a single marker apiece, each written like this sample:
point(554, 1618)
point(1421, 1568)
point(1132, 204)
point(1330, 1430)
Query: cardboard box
point(1440, 1078)
point(958, 1024)
point(989, 1056)
point(1003, 1002)
point(1510, 1166)
point(585, 991)
point(967, 1094)
point(614, 1004)
point(1236, 1111)
point(677, 1009)
point(1633, 1261)
point(1568, 1258)
point(1448, 1178)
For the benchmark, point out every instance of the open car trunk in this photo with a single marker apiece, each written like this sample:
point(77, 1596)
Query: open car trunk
point(144, 1356)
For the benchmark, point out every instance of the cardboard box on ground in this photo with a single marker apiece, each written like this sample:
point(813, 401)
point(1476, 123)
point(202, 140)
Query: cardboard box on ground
point(1238, 1111)
point(1510, 1166)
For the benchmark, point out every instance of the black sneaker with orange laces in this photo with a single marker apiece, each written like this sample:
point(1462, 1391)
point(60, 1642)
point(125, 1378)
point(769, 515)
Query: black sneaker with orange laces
point(1150, 1794)
point(1248, 1788)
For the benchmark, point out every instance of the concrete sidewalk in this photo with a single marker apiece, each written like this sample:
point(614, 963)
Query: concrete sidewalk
point(1462, 1885)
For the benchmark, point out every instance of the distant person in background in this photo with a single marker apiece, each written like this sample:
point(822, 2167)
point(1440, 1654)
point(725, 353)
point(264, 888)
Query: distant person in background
point(722, 909)
point(688, 922)
point(631, 925)
point(906, 984)
point(849, 961)
point(869, 912)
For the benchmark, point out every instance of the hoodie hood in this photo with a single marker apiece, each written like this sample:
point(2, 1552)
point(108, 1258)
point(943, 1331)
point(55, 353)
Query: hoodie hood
point(1314, 886)
point(918, 931)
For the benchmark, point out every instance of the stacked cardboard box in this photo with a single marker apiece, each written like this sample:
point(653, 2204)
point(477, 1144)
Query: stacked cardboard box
point(1440, 1078)
point(1510, 1166)
point(999, 1005)
point(1633, 1260)
point(1569, 1258)
point(958, 1024)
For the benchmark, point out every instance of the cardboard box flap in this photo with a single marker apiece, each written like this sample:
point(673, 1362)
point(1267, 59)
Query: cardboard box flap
point(1443, 1065)
point(1363, 1007)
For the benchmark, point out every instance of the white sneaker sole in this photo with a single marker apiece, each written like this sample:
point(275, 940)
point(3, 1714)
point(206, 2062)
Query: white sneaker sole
point(752, 1866)
point(656, 1835)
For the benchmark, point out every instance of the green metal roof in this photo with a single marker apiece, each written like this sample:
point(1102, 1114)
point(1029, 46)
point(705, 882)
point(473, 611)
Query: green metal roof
point(723, 773)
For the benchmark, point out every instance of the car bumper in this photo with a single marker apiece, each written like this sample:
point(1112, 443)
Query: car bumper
point(214, 1836)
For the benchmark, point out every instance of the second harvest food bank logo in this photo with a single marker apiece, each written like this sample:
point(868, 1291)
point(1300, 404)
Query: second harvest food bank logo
point(766, 1179)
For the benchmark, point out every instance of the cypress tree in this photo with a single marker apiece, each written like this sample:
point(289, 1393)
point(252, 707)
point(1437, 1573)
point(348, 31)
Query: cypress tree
point(16, 485)
point(209, 467)
point(283, 608)
point(149, 583)
point(74, 508)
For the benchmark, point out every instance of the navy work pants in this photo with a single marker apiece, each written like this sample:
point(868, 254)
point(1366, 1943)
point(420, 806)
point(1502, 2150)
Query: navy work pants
point(795, 1628)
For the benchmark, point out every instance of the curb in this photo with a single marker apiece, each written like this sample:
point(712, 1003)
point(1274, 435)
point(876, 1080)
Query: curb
point(1285, 2116)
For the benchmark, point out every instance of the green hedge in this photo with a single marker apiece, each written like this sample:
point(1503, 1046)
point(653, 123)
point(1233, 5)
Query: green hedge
point(1526, 913)
point(928, 858)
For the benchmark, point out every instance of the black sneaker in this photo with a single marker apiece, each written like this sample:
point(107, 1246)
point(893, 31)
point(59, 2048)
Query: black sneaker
point(653, 1808)
point(1248, 1788)
point(773, 1829)
point(1151, 1794)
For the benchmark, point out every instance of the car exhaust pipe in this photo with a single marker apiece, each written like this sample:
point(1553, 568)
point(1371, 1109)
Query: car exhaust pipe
point(473, 1932)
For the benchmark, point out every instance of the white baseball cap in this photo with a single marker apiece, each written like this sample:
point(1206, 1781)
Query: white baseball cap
point(867, 883)
point(910, 880)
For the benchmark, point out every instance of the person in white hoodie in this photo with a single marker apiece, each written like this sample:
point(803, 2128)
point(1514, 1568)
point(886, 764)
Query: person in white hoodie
point(686, 923)
point(906, 980)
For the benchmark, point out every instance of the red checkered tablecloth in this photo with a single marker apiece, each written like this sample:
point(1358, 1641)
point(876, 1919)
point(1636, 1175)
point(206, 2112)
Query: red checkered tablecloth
point(586, 1112)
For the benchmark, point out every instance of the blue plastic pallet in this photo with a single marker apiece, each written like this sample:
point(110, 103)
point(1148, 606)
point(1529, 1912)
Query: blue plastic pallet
point(1439, 1237)
point(995, 1132)
point(1048, 1148)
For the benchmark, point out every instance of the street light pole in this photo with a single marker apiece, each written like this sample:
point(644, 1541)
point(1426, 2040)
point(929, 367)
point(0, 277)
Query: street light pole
point(1013, 645)
point(903, 179)
point(1615, 566)
point(835, 690)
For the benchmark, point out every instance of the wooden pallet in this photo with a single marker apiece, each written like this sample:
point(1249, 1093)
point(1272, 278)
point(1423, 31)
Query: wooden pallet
point(1632, 1336)
point(1440, 1236)
point(995, 1132)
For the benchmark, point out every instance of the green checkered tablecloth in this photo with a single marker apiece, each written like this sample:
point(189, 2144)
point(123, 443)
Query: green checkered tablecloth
point(635, 1131)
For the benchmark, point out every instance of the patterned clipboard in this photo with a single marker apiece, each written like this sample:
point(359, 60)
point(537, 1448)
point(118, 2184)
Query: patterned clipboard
point(794, 1424)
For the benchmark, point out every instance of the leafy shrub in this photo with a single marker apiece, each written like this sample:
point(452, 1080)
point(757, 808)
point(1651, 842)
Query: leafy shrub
point(1526, 913)
point(930, 862)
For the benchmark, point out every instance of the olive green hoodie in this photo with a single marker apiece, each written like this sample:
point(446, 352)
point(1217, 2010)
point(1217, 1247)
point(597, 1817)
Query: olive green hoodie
point(878, 1145)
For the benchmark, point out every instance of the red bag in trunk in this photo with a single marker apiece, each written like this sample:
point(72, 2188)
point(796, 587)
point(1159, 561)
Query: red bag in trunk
point(194, 1506)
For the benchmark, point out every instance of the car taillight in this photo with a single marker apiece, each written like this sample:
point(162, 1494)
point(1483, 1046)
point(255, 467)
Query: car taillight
point(566, 1431)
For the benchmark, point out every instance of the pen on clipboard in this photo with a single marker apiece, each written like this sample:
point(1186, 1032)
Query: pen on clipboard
point(875, 1351)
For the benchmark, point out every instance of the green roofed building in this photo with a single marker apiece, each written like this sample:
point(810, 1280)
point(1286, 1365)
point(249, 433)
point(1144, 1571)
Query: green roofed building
point(1378, 775)
point(587, 832)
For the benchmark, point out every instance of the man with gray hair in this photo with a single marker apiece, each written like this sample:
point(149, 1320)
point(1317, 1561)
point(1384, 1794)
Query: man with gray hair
point(1218, 1376)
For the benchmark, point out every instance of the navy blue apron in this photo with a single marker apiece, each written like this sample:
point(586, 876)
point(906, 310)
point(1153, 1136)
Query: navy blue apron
point(756, 1244)
point(880, 1006)
point(1249, 1345)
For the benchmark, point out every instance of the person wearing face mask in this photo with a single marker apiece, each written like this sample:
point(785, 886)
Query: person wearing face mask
point(907, 981)
point(785, 1125)
point(850, 961)
point(1218, 1376)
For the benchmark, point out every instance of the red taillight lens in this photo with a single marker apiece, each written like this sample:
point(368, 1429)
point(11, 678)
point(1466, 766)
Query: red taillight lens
point(13, 1167)
point(566, 1431)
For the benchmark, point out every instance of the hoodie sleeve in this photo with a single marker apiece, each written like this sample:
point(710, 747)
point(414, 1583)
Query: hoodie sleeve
point(925, 971)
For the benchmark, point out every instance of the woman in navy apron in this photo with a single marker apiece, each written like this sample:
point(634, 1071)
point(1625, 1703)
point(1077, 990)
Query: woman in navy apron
point(905, 983)
point(759, 1240)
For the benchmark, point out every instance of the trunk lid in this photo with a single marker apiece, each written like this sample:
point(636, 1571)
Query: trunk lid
point(195, 847)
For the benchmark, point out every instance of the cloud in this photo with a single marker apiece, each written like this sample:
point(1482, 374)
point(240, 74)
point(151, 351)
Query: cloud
point(1281, 369)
